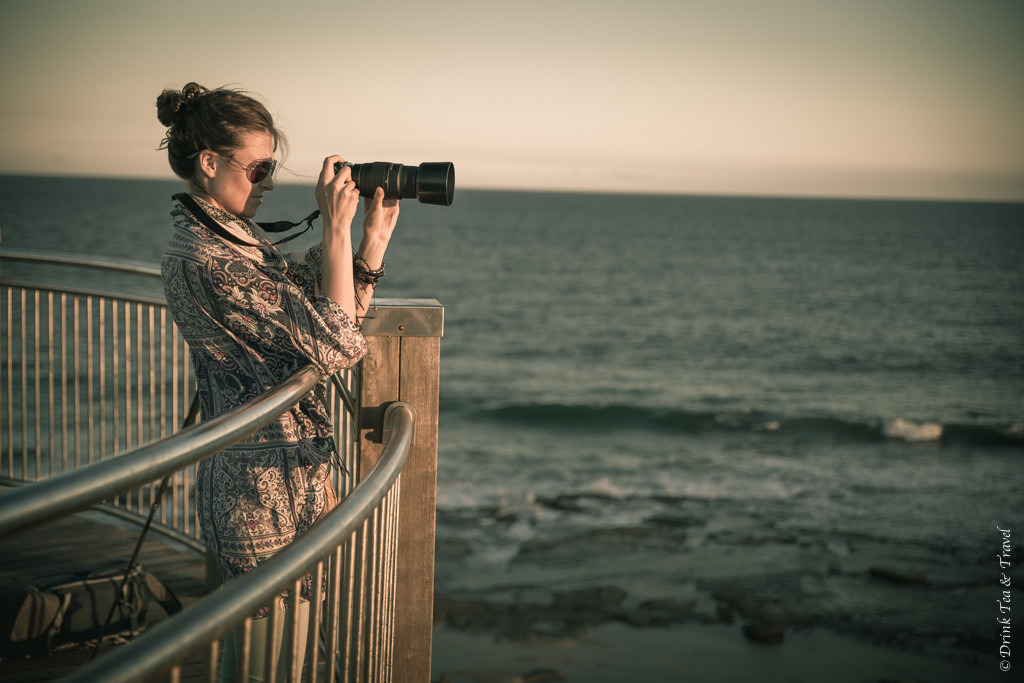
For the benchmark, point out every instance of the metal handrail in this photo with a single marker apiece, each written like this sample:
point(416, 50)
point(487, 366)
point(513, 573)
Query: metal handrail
point(59, 495)
point(117, 265)
point(353, 551)
point(81, 291)
point(170, 642)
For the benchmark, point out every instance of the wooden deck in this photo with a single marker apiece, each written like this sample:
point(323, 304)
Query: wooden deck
point(82, 540)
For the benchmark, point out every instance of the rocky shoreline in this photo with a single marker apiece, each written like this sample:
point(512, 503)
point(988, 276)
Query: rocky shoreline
point(735, 570)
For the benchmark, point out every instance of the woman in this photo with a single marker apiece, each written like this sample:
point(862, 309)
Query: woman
point(253, 316)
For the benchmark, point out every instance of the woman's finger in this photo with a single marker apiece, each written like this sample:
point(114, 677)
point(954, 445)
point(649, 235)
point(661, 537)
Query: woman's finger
point(336, 168)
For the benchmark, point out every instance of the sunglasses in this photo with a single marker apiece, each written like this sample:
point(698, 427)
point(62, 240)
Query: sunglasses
point(257, 170)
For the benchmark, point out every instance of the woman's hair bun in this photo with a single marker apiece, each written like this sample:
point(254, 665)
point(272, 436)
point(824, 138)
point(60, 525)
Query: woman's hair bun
point(172, 104)
point(198, 118)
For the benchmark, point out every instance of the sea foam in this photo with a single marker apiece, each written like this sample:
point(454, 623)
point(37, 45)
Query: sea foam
point(912, 431)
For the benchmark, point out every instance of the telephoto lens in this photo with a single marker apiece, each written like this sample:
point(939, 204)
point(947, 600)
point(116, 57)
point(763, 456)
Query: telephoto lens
point(430, 182)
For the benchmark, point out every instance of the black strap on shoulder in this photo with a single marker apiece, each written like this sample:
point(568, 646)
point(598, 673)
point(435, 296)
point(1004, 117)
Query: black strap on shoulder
point(278, 226)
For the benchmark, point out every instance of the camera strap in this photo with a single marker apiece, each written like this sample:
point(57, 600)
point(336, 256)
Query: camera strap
point(278, 226)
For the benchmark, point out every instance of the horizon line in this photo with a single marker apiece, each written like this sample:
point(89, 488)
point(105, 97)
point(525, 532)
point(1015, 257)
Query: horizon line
point(473, 187)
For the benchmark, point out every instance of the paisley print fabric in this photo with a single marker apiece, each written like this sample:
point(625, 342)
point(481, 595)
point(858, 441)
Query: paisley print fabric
point(252, 317)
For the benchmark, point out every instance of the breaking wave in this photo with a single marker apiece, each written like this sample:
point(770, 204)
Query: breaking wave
point(612, 417)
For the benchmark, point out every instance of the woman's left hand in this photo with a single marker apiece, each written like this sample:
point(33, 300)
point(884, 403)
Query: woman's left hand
point(380, 217)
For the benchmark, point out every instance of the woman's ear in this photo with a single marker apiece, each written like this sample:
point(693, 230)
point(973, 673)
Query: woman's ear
point(206, 163)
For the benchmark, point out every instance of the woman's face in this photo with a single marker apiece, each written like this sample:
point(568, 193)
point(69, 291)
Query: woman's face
point(230, 188)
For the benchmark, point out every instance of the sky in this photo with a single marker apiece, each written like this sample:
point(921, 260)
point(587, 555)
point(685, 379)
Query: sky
point(862, 98)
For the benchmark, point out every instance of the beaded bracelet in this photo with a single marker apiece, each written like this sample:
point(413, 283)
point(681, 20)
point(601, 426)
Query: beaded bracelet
point(362, 271)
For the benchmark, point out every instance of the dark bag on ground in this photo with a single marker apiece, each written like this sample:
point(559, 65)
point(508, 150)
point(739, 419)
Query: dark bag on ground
point(71, 609)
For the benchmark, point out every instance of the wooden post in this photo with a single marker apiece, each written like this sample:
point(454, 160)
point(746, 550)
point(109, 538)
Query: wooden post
point(403, 364)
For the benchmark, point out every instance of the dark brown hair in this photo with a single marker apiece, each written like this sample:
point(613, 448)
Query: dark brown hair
point(198, 118)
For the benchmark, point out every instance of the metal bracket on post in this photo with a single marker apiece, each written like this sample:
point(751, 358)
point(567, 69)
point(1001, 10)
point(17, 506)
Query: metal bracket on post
point(388, 418)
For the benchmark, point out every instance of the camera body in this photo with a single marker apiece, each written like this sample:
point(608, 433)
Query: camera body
point(430, 182)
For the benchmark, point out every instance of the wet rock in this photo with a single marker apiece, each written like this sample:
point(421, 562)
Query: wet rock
point(562, 503)
point(897, 576)
point(569, 613)
point(464, 615)
point(765, 632)
point(673, 521)
point(943, 577)
point(507, 514)
point(580, 546)
point(727, 612)
point(550, 629)
point(766, 621)
point(733, 604)
point(839, 548)
point(601, 599)
point(544, 675)
point(658, 613)
point(746, 537)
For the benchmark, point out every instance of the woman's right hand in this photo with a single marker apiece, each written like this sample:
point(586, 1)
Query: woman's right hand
point(337, 197)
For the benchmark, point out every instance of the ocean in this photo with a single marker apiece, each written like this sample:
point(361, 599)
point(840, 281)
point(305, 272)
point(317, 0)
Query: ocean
point(684, 408)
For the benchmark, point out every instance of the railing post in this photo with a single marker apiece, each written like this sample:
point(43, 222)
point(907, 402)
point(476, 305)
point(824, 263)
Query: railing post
point(403, 363)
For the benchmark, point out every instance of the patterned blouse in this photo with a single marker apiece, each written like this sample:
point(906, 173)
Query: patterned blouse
point(252, 317)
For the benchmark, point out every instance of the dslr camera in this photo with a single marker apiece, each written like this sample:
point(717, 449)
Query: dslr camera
point(430, 182)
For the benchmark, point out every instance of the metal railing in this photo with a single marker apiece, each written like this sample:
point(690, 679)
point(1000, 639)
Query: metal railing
point(86, 377)
point(78, 488)
point(351, 557)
